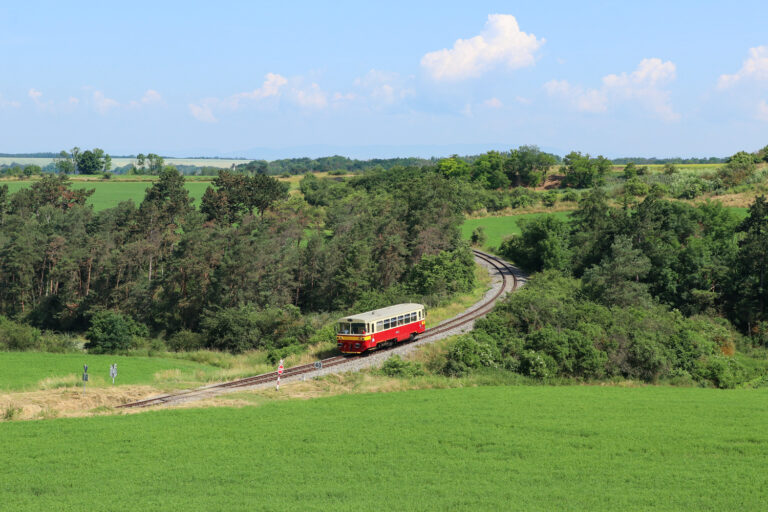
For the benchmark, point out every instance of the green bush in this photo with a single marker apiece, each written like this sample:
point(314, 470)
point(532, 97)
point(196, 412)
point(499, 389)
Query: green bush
point(112, 332)
point(478, 237)
point(18, 337)
point(244, 328)
point(186, 341)
point(395, 366)
point(445, 273)
point(549, 198)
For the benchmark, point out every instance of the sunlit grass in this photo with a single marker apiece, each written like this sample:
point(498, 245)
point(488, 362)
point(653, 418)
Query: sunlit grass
point(486, 448)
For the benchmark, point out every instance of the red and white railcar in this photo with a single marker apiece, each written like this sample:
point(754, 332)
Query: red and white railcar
point(365, 331)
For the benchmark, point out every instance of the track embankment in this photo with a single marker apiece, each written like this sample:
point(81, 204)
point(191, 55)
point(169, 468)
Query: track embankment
point(505, 278)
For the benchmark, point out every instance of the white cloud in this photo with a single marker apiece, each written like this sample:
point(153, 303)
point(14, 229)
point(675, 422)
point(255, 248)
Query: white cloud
point(523, 100)
point(102, 103)
point(73, 101)
point(500, 43)
point(151, 97)
point(312, 97)
point(35, 95)
point(754, 68)
point(762, 110)
point(8, 104)
point(203, 112)
point(493, 103)
point(589, 100)
point(205, 108)
point(642, 86)
point(273, 83)
point(382, 88)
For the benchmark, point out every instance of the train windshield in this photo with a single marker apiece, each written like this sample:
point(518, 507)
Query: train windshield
point(351, 328)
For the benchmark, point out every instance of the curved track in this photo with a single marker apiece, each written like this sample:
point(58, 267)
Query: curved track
point(511, 279)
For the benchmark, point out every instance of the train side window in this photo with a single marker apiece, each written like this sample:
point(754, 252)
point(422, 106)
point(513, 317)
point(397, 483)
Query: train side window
point(413, 317)
point(400, 320)
point(386, 323)
point(379, 325)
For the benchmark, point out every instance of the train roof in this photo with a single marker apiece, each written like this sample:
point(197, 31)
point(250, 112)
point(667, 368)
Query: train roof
point(368, 316)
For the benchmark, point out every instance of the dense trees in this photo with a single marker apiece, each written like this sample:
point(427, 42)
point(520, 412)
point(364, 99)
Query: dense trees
point(583, 171)
point(248, 263)
point(694, 259)
point(84, 162)
point(551, 329)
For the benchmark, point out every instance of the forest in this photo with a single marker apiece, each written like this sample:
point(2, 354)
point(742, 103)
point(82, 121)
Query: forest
point(637, 283)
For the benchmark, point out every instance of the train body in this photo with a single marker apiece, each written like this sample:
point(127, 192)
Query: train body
point(366, 331)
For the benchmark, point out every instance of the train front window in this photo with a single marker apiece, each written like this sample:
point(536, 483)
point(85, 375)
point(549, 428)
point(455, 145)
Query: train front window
point(351, 328)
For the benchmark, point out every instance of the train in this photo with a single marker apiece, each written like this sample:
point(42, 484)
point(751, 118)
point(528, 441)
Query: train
point(381, 327)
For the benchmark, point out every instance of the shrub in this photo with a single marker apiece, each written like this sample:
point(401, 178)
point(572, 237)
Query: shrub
point(670, 169)
point(478, 237)
point(395, 366)
point(239, 329)
point(444, 273)
point(549, 198)
point(570, 196)
point(186, 341)
point(112, 332)
point(635, 187)
point(469, 354)
point(16, 336)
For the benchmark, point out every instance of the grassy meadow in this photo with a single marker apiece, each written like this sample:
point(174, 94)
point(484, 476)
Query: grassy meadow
point(488, 448)
point(20, 371)
point(498, 228)
point(224, 163)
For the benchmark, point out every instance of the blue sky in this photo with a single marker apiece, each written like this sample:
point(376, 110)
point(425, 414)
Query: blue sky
point(278, 79)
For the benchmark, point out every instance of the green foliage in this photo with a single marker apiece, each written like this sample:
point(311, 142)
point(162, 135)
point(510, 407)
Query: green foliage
point(443, 274)
point(18, 337)
point(478, 237)
point(239, 329)
point(617, 280)
point(542, 244)
point(395, 366)
point(630, 171)
point(112, 333)
point(635, 187)
point(583, 171)
point(186, 341)
point(749, 293)
point(549, 198)
point(238, 194)
point(739, 168)
point(551, 329)
point(669, 168)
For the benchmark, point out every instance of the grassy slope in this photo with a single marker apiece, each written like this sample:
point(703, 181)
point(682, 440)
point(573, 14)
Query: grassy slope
point(497, 228)
point(25, 370)
point(109, 193)
point(531, 448)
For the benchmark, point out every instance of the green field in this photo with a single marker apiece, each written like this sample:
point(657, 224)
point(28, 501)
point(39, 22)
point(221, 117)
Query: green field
point(20, 371)
point(120, 162)
point(498, 228)
point(109, 193)
point(507, 448)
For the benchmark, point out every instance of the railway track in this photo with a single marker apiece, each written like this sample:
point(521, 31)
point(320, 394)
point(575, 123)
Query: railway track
point(511, 277)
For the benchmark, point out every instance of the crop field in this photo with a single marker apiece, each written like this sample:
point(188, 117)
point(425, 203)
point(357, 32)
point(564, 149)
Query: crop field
point(109, 193)
point(498, 228)
point(21, 371)
point(120, 162)
point(492, 448)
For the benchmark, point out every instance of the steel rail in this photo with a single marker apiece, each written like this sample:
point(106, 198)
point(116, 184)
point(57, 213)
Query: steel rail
point(505, 270)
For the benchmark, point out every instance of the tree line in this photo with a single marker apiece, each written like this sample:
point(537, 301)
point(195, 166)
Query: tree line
point(266, 266)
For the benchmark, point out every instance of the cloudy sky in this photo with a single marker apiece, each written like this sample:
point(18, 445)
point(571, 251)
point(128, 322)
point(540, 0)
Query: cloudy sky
point(275, 79)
